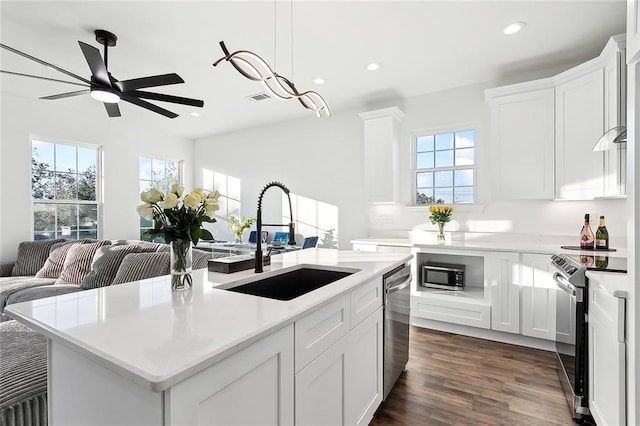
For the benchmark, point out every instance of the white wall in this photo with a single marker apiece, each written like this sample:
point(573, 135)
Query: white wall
point(122, 144)
point(320, 159)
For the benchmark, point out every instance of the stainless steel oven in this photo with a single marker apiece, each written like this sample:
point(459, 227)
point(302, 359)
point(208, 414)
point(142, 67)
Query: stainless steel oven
point(572, 334)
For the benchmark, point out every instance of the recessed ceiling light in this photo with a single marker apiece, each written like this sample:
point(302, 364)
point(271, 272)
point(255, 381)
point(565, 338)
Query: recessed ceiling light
point(318, 81)
point(514, 27)
point(194, 114)
point(373, 66)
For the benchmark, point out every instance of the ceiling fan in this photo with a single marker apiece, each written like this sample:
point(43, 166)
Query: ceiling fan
point(103, 87)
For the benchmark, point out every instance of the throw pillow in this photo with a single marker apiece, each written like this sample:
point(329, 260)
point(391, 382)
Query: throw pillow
point(55, 262)
point(105, 265)
point(140, 266)
point(31, 256)
point(78, 262)
point(145, 246)
point(200, 259)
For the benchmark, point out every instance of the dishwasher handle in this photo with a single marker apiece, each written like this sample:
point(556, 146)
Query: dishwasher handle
point(563, 284)
point(398, 287)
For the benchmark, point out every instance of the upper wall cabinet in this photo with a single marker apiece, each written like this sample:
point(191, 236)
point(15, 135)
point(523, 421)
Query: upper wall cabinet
point(633, 31)
point(543, 132)
point(381, 158)
point(522, 145)
point(579, 124)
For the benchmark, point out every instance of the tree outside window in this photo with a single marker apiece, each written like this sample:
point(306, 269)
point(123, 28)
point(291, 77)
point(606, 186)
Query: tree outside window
point(64, 190)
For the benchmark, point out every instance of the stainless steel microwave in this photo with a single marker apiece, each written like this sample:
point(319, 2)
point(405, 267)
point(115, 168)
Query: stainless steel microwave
point(444, 276)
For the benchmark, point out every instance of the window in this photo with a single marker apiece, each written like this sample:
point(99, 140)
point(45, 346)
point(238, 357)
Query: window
point(444, 168)
point(230, 189)
point(157, 173)
point(64, 189)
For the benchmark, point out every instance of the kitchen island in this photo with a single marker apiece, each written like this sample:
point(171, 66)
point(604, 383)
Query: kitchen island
point(139, 354)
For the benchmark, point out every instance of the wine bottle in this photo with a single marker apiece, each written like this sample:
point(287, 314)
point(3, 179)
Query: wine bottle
point(602, 235)
point(586, 235)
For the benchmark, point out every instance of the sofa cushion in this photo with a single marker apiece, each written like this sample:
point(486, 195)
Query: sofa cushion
point(144, 246)
point(6, 267)
point(33, 293)
point(105, 265)
point(78, 262)
point(200, 259)
point(23, 375)
point(31, 256)
point(140, 266)
point(11, 285)
point(57, 254)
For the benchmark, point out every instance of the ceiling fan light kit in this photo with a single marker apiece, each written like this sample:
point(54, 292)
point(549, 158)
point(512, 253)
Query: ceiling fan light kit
point(107, 89)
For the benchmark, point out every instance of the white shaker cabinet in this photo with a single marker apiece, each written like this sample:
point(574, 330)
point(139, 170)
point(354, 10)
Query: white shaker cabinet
point(607, 372)
point(381, 157)
point(633, 31)
point(579, 124)
point(254, 386)
point(538, 296)
point(522, 140)
point(501, 270)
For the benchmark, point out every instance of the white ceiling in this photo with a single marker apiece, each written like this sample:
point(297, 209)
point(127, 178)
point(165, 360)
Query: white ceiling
point(422, 46)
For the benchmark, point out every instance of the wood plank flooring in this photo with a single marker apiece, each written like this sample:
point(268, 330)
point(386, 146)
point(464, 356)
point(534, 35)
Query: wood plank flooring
point(459, 380)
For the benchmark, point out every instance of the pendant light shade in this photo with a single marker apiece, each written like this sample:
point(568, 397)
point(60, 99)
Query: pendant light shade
point(611, 138)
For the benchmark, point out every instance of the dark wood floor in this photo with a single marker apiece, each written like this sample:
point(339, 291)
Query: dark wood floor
point(459, 380)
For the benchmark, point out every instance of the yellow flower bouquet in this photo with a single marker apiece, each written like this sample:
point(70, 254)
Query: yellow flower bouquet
point(440, 215)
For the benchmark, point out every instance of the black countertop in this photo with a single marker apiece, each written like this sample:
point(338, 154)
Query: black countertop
point(601, 262)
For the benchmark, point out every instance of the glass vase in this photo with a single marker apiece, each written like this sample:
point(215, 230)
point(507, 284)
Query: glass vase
point(441, 232)
point(181, 265)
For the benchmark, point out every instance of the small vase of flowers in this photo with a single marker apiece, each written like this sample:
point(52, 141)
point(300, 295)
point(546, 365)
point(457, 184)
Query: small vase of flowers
point(439, 216)
point(179, 222)
point(239, 226)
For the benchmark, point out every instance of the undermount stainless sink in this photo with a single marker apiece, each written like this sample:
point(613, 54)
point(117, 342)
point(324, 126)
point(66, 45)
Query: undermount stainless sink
point(292, 284)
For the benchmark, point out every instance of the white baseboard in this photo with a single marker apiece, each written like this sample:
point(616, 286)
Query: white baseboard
point(498, 336)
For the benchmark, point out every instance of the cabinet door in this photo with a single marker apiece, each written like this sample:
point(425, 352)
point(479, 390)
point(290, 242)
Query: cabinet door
point(633, 31)
point(364, 370)
point(505, 293)
point(606, 357)
point(615, 161)
point(522, 144)
point(254, 386)
point(321, 387)
point(538, 297)
point(579, 124)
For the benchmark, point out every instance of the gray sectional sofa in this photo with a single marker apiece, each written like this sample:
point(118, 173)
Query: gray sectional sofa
point(47, 268)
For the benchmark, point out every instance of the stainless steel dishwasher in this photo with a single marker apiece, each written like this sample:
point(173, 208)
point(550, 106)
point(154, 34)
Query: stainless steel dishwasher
point(396, 324)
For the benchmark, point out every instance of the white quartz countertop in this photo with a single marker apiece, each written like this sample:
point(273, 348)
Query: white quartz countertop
point(158, 338)
point(507, 242)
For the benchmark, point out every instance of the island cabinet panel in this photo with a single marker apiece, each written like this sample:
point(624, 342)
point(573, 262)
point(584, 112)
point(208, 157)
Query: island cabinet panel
point(343, 386)
point(74, 378)
point(579, 124)
point(522, 144)
point(503, 274)
point(538, 297)
point(365, 300)
point(318, 330)
point(254, 386)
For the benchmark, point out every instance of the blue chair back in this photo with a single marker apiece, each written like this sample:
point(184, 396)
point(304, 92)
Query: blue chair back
point(252, 237)
point(283, 237)
point(309, 242)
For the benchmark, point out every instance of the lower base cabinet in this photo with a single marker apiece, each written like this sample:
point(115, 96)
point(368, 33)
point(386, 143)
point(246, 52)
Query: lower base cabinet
point(343, 385)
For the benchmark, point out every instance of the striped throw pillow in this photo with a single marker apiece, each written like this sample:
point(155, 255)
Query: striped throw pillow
point(140, 266)
point(78, 262)
point(105, 265)
point(31, 256)
point(55, 262)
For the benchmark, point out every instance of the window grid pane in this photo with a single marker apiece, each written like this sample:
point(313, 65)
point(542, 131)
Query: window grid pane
point(445, 168)
point(156, 173)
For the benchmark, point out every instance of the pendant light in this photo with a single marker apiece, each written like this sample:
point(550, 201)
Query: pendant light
point(253, 67)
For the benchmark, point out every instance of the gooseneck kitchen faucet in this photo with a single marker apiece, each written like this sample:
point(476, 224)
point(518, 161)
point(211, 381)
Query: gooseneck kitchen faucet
point(259, 224)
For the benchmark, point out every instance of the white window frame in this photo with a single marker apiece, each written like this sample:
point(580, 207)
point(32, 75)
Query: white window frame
point(441, 130)
point(99, 182)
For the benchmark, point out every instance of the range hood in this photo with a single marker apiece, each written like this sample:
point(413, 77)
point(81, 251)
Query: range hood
point(611, 139)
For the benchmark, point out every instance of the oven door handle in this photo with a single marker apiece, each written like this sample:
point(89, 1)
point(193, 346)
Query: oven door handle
point(563, 284)
point(398, 287)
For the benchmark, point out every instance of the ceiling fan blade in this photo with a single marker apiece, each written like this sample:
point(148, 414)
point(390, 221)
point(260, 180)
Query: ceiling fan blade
point(149, 106)
point(152, 81)
point(112, 109)
point(46, 64)
point(98, 68)
point(167, 98)
point(42, 78)
point(65, 95)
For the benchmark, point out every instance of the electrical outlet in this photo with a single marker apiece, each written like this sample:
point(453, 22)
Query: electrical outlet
point(386, 219)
